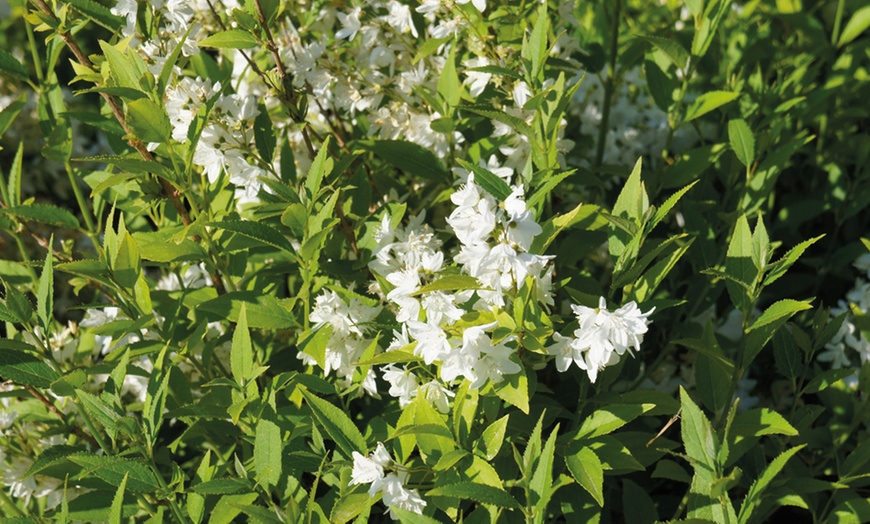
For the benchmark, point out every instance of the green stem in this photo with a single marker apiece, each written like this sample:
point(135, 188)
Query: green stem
point(90, 424)
point(83, 205)
point(10, 504)
point(179, 516)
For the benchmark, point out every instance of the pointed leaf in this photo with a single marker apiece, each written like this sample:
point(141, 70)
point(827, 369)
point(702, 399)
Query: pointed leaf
point(481, 493)
point(742, 141)
point(337, 425)
point(45, 293)
point(241, 352)
point(708, 102)
point(230, 39)
point(490, 182)
point(587, 471)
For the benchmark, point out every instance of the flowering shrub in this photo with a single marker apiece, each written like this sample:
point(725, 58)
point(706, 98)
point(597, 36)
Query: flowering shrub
point(433, 261)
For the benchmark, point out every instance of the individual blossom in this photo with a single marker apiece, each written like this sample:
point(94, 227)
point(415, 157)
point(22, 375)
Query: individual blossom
point(372, 470)
point(350, 24)
point(601, 338)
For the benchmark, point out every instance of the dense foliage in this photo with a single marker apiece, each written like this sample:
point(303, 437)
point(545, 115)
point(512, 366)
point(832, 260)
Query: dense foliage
point(433, 261)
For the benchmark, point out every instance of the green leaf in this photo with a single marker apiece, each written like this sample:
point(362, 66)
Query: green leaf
point(320, 167)
point(267, 452)
point(856, 25)
point(8, 113)
point(264, 134)
point(118, 502)
point(390, 357)
point(133, 165)
point(241, 352)
point(18, 304)
point(449, 283)
point(827, 379)
point(497, 70)
point(264, 310)
point(257, 231)
point(697, 434)
point(781, 266)
point(514, 390)
point(411, 158)
point(672, 49)
point(14, 184)
point(742, 141)
point(481, 493)
point(631, 204)
point(708, 102)
point(764, 327)
point(535, 48)
point(140, 478)
point(541, 484)
point(227, 486)
point(706, 25)
point(490, 182)
point(163, 246)
point(12, 67)
point(586, 469)
point(126, 265)
point(45, 214)
point(449, 87)
point(148, 121)
point(230, 39)
point(610, 418)
point(45, 292)
point(661, 86)
point(493, 437)
point(120, 67)
point(662, 211)
point(26, 369)
point(98, 13)
point(517, 124)
point(337, 425)
point(753, 496)
point(739, 265)
point(409, 517)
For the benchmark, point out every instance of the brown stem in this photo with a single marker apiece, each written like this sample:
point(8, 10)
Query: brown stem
point(171, 192)
point(59, 414)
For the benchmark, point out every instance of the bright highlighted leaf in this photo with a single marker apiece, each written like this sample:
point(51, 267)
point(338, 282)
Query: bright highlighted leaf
point(26, 369)
point(489, 181)
point(45, 292)
point(742, 141)
point(337, 425)
point(708, 102)
point(148, 121)
point(697, 433)
point(586, 468)
point(230, 39)
point(267, 452)
point(242, 353)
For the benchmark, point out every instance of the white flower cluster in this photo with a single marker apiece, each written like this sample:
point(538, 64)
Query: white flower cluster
point(349, 337)
point(849, 335)
point(601, 338)
point(391, 486)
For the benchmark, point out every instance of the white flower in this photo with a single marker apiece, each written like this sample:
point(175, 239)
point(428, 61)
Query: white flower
point(432, 343)
point(370, 470)
point(479, 4)
point(400, 18)
point(521, 94)
point(403, 384)
point(396, 496)
point(602, 338)
point(439, 306)
point(477, 80)
point(350, 24)
point(437, 395)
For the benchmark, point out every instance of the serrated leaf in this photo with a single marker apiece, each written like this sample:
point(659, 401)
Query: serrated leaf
point(337, 425)
point(753, 496)
point(118, 502)
point(708, 102)
point(148, 121)
point(631, 204)
point(674, 51)
point(493, 437)
point(120, 68)
point(320, 167)
point(586, 469)
point(781, 266)
point(230, 39)
point(267, 452)
point(610, 418)
point(411, 158)
point(449, 283)
point(481, 493)
point(514, 389)
point(43, 213)
point(227, 486)
point(697, 434)
point(742, 141)
point(140, 478)
point(133, 165)
point(26, 369)
point(98, 13)
point(827, 379)
point(12, 67)
point(257, 231)
point(517, 124)
point(241, 351)
point(766, 325)
point(489, 181)
point(264, 134)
